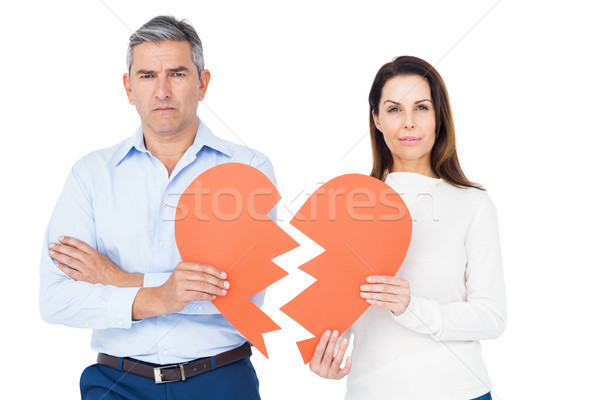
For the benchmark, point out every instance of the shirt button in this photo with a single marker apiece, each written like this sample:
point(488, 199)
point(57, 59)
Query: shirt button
point(161, 243)
point(120, 323)
point(164, 203)
point(200, 308)
point(164, 353)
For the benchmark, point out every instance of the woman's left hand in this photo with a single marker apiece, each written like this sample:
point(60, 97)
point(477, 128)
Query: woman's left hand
point(387, 292)
point(326, 362)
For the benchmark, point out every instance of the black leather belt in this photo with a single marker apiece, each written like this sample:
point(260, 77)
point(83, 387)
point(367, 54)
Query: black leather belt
point(175, 372)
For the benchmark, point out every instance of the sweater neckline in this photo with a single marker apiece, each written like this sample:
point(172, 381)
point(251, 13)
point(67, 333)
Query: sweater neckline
point(411, 179)
point(411, 185)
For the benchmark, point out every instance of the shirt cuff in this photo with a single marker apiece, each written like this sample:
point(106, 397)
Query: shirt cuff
point(120, 303)
point(200, 308)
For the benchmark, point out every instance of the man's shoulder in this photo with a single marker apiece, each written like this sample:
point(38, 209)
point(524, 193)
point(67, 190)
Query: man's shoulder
point(244, 154)
point(102, 158)
point(240, 153)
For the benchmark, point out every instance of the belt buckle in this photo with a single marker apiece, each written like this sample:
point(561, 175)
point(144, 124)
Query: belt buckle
point(158, 377)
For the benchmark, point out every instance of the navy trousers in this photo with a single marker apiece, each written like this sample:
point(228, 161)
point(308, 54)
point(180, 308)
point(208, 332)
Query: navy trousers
point(235, 381)
point(487, 396)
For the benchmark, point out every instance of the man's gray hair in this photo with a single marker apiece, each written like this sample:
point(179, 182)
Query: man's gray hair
point(166, 27)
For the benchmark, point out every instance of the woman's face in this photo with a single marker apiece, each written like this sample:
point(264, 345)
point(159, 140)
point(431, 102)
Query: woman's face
point(407, 120)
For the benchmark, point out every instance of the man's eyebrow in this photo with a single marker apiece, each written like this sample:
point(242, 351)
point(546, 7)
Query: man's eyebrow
point(145, 72)
point(181, 68)
point(171, 70)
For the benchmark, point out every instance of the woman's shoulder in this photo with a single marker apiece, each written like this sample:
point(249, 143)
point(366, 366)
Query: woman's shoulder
point(467, 197)
point(472, 205)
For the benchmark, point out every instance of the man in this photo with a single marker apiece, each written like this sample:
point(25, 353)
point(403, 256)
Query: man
point(153, 310)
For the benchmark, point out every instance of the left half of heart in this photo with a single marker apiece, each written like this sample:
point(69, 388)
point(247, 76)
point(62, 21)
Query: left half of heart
point(222, 220)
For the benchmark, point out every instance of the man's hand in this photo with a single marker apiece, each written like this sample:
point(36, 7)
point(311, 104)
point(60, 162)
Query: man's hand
point(324, 363)
point(193, 282)
point(188, 282)
point(83, 263)
point(387, 292)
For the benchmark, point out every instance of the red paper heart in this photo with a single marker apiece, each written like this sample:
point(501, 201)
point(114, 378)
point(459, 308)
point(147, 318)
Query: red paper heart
point(222, 221)
point(362, 224)
point(365, 229)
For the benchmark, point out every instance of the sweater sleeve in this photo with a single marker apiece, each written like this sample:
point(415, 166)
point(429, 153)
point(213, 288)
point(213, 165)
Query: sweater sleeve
point(483, 314)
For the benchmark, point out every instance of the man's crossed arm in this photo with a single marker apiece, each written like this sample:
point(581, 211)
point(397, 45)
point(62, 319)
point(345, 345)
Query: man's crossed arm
point(188, 281)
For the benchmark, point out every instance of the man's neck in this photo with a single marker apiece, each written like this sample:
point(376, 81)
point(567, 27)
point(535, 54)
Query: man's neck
point(169, 148)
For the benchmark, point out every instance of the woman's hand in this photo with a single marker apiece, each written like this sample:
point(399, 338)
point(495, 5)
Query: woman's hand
point(82, 263)
point(324, 363)
point(387, 292)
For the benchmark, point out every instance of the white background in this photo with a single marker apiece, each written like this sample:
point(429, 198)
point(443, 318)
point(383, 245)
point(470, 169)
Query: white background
point(292, 81)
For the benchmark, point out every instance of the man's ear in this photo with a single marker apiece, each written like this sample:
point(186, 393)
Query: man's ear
point(127, 86)
point(204, 79)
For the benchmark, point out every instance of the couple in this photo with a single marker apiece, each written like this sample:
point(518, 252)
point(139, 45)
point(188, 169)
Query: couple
point(112, 264)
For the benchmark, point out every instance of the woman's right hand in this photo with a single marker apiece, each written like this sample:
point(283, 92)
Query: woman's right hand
point(324, 363)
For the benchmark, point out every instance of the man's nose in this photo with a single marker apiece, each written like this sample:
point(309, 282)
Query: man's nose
point(163, 88)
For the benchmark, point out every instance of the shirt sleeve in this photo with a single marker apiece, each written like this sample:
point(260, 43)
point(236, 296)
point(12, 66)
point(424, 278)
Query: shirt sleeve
point(483, 314)
point(64, 300)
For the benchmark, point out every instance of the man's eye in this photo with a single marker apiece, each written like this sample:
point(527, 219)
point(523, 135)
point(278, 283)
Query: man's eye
point(145, 76)
point(178, 74)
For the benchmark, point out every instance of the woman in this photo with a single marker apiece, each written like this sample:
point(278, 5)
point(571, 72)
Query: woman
point(420, 340)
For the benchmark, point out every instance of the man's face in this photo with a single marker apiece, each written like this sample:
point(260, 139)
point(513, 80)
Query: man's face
point(164, 86)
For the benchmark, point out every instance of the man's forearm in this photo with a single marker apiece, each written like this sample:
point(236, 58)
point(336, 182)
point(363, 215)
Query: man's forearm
point(127, 279)
point(147, 303)
point(81, 262)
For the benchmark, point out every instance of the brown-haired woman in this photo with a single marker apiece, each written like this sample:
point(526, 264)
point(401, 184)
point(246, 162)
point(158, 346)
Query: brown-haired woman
point(420, 340)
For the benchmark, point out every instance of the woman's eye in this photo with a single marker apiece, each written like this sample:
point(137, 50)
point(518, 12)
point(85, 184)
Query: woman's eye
point(422, 108)
point(392, 109)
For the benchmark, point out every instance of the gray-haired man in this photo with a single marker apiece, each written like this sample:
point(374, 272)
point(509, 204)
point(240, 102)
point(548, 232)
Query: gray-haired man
point(152, 316)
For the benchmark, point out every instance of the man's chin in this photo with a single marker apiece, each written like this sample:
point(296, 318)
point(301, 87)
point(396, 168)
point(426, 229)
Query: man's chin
point(165, 128)
point(168, 126)
point(166, 131)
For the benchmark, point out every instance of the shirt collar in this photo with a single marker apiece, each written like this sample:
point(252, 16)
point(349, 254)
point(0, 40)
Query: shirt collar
point(204, 137)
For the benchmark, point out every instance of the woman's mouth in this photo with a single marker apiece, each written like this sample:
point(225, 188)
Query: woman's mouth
point(410, 140)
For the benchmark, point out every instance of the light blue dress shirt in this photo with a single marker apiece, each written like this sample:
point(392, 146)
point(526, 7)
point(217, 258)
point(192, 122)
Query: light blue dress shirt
point(121, 201)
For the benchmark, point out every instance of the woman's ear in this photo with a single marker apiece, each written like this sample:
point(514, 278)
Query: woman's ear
point(376, 121)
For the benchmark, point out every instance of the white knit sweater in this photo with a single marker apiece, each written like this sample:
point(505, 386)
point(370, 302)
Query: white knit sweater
point(453, 264)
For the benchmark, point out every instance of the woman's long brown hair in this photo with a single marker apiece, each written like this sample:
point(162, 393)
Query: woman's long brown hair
point(444, 159)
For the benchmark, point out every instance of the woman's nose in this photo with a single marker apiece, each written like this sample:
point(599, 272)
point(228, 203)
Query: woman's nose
point(408, 122)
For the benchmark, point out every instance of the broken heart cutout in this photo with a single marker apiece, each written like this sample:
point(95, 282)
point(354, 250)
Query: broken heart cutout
point(362, 224)
point(221, 220)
